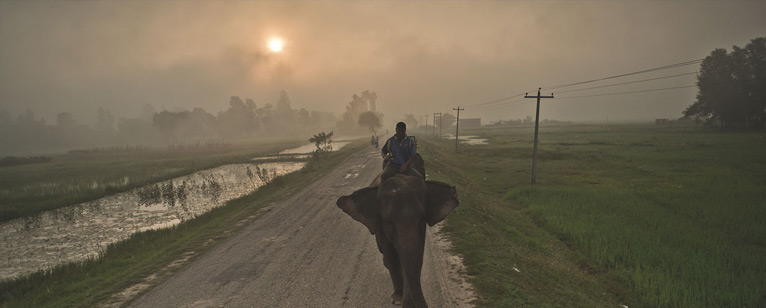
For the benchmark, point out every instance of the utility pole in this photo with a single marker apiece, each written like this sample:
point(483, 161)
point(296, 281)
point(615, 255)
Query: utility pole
point(537, 123)
point(425, 132)
point(457, 125)
point(440, 124)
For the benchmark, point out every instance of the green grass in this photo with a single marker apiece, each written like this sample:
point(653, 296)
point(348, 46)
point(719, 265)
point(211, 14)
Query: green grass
point(68, 179)
point(639, 215)
point(126, 263)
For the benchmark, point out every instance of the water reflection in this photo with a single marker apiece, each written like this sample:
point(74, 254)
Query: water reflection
point(81, 231)
point(472, 140)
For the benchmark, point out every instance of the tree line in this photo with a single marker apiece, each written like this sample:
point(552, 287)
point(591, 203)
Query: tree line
point(242, 120)
point(732, 88)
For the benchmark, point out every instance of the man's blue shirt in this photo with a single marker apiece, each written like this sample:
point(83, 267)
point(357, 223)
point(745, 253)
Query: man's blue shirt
point(401, 151)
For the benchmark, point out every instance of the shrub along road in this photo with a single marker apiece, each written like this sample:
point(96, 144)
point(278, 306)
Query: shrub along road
point(305, 252)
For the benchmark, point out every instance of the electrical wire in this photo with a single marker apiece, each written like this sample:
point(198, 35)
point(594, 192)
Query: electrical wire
point(681, 64)
point(496, 101)
point(669, 88)
point(500, 103)
point(624, 83)
point(627, 92)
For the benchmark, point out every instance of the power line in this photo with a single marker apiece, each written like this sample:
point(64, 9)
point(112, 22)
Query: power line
point(508, 104)
point(681, 64)
point(628, 92)
point(497, 100)
point(669, 88)
point(495, 103)
point(630, 82)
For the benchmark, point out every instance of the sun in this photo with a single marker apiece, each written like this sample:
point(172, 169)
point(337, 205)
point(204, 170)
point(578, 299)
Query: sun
point(276, 44)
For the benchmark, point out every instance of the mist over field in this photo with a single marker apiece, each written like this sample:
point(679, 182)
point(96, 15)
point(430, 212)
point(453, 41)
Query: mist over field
point(80, 74)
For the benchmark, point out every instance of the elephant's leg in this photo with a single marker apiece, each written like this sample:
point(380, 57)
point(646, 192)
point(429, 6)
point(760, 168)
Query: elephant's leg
point(391, 261)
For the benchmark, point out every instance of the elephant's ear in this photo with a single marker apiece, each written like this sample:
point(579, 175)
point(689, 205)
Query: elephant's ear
point(363, 207)
point(442, 199)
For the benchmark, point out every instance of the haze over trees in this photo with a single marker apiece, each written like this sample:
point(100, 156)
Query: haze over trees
point(371, 121)
point(242, 120)
point(732, 87)
point(359, 104)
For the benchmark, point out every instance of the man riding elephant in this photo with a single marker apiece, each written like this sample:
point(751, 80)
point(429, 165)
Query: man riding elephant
point(400, 151)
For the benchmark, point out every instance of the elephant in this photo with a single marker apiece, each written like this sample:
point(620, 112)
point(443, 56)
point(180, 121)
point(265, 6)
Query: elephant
point(396, 212)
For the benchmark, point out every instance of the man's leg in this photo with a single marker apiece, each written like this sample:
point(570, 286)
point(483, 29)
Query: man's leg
point(388, 172)
point(412, 171)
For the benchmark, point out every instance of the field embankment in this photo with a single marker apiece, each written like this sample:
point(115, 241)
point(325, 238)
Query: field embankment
point(636, 215)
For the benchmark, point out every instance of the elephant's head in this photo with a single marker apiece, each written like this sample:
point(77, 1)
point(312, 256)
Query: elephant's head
point(399, 203)
point(397, 212)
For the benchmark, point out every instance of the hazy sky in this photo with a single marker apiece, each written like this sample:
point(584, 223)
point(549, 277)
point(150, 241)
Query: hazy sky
point(420, 57)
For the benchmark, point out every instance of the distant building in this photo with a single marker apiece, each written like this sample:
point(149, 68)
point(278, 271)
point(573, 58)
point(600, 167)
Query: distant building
point(474, 122)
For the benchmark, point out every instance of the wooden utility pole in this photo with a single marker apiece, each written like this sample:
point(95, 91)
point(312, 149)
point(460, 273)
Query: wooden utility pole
point(457, 125)
point(425, 132)
point(537, 123)
point(440, 124)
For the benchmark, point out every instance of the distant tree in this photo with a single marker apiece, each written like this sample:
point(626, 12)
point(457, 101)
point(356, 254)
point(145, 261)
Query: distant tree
point(284, 117)
point(264, 116)
point(65, 120)
point(136, 130)
point(239, 119)
point(410, 120)
point(26, 134)
point(147, 112)
point(359, 104)
point(303, 118)
point(170, 124)
point(732, 87)
point(370, 120)
point(322, 141)
point(370, 98)
point(448, 119)
point(201, 124)
point(104, 128)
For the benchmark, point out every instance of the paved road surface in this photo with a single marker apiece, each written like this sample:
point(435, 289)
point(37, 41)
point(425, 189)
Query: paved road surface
point(304, 253)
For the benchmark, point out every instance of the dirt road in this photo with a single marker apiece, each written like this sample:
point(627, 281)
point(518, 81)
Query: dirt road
point(307, 253)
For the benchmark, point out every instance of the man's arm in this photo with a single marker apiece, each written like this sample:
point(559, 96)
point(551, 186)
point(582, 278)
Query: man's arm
point(384, 149)
point(412, 156)
point(404, 167)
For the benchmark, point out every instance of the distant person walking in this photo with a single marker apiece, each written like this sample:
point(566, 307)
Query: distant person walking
point(399, 151)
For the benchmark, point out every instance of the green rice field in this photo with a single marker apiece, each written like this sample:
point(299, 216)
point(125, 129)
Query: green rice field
point(627, 214)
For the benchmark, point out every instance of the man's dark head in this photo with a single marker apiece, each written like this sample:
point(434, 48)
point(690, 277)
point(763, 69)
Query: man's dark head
point(401, 128)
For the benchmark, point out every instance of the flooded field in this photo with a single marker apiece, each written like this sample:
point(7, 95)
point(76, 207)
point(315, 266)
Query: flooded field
point(472, 140)
point(308, 148)
point(83, 231)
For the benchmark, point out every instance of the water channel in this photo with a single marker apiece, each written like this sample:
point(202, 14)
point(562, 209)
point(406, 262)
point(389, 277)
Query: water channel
point(82, 231)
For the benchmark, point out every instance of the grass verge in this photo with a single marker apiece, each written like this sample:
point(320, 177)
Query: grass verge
point(153, 253)
point(634, 215)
